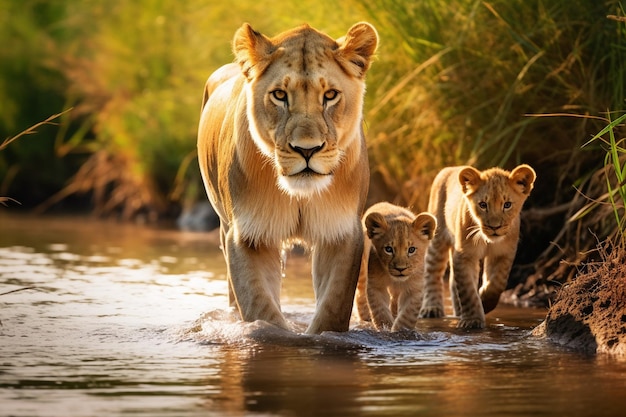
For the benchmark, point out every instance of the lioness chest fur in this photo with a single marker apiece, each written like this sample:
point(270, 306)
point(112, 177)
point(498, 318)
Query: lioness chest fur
point(283, 158)
point(389, 292)
point(478, 219)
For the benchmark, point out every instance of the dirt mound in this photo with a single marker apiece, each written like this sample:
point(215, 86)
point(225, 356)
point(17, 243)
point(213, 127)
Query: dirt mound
point(589, 314)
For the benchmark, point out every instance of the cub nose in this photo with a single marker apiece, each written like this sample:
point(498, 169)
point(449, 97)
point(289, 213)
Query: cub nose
point(494, 228)
point(307, 153)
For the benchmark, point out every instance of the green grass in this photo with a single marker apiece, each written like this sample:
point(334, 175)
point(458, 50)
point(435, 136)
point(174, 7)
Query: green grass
point(614, 176)
point(474, 75)
point(455, 82)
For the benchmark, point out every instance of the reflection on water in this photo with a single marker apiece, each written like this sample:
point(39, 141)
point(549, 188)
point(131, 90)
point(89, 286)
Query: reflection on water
point(122, 320)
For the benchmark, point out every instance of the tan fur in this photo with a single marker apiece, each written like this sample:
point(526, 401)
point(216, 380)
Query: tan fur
point(389, 291)
point(468, 234)
point(283, 159)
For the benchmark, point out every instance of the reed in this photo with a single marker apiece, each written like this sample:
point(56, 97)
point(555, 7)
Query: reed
point(613, 174)
point(466, 80)
point(455, 82)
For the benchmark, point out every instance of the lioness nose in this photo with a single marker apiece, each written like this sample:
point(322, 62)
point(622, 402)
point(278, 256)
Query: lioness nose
point(307, 153)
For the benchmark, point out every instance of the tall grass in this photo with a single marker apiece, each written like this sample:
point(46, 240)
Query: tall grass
point(134, 73)
point(613, 176)
point(455, 82)
point(473, 74)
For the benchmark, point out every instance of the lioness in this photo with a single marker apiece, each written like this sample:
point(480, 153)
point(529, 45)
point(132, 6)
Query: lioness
point(478, 219)
point(283, 158)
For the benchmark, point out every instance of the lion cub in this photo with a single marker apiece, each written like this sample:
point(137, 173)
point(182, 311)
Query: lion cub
point(391, 278)
point(478, 219)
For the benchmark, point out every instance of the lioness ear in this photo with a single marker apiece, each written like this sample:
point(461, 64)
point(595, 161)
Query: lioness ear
point(523, 178)
point(425, 225)
point(469, 178)
point(356, 49)
point(252, 51)
point(375, 224)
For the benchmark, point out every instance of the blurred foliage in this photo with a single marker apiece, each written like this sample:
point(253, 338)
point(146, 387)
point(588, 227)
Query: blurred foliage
point(472, 74)
point(477, 82)
point(502, 82)
point(133, 74)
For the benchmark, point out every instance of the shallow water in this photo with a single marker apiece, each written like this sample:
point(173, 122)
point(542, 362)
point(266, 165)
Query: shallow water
point(120, 320)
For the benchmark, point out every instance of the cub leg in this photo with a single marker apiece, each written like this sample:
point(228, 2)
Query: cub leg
point(361, 290)
point(255, 278)
point(378, 300)
point(436, 262)
point(393, 305)
point(409, 303)
point(466, 281)
point(335, 274)
point(496, 275)
point(454, 295)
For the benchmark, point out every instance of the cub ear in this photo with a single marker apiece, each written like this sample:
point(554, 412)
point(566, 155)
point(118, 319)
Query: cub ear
point(356, 49)
point(252, 50)
point(469, 178)
point(425, 225)
point(375, 224)
point(523, 179)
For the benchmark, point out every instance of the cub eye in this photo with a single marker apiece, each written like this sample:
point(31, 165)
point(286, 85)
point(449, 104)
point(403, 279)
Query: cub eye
point(412, 250)
point(388, 249)
point(330, 95)
point(280, 95)
point(482, 205)
point(507, 205)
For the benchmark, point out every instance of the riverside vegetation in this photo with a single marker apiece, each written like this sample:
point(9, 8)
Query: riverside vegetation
point(484, 83)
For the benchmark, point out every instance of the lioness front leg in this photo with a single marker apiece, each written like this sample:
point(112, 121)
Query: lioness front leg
point(335, 274)
point(255, 278)
point(497, 269)
point(465, 272)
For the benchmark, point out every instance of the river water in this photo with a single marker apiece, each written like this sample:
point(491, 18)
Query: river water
point(122, 320)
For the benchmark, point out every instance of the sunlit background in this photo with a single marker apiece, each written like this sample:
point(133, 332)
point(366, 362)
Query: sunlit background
point(455, 82)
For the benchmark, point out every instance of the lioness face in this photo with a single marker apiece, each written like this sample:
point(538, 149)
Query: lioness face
point(310, 122)
point(304, 107)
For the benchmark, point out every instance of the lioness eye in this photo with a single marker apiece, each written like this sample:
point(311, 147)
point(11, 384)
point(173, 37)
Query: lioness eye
point(412, 250)
point(507, 205)
point(482, 205)
point(330, 95)
point(388, 249)
point(279, 95)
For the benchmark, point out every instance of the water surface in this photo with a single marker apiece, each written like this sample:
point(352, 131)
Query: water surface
point(121, 320)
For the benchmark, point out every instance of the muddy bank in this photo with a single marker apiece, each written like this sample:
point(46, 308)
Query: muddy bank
point(589, 314)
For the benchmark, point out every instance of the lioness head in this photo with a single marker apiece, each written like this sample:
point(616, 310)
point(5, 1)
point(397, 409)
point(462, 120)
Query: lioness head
point(495, 198)
point(304, 95)
point(401, 241)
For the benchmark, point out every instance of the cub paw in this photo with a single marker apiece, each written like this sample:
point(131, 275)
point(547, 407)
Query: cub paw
point(431, 312)
point(471, 323)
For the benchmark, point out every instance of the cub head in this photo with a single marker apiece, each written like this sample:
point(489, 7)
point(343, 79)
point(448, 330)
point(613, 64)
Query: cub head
point(304, 97)
point(401, 241)
point(495, 198)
